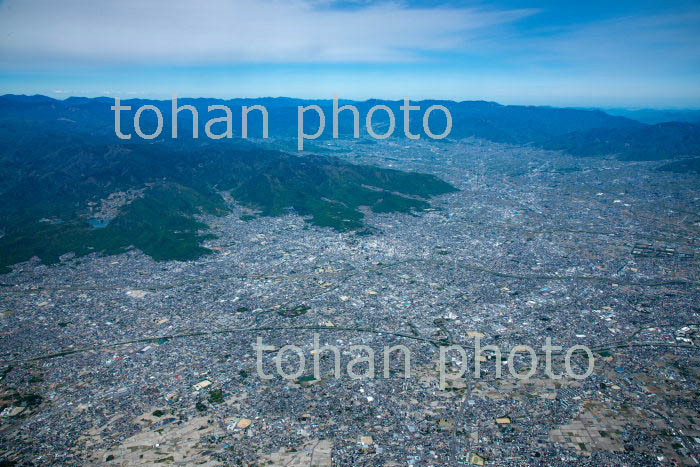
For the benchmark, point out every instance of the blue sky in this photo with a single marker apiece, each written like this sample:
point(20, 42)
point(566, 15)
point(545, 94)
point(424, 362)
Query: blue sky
point(595, 53)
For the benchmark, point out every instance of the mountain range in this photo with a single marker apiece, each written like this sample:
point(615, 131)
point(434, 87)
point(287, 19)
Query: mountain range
point(69, 185)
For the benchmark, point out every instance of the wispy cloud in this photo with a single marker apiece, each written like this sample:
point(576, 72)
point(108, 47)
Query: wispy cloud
point(357, 48)
point(652, 43)
point(184, 32)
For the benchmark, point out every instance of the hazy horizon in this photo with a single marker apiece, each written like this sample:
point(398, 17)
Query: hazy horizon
point(184, 97)
point(631, 54)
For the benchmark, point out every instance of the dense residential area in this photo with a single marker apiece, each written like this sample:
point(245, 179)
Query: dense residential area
point(122, 359)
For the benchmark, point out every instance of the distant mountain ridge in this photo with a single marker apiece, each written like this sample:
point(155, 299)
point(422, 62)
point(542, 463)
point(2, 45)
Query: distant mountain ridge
point(648, 142)
point(654, 116)
point(488, 120)
point(579, 132)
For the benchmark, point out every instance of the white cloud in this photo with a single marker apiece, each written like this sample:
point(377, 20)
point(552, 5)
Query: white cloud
point(186, 32)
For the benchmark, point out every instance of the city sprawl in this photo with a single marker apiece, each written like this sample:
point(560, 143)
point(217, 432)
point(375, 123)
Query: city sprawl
point(125, 360)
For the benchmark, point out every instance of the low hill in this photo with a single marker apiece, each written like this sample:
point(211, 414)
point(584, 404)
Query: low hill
point(57, 180)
